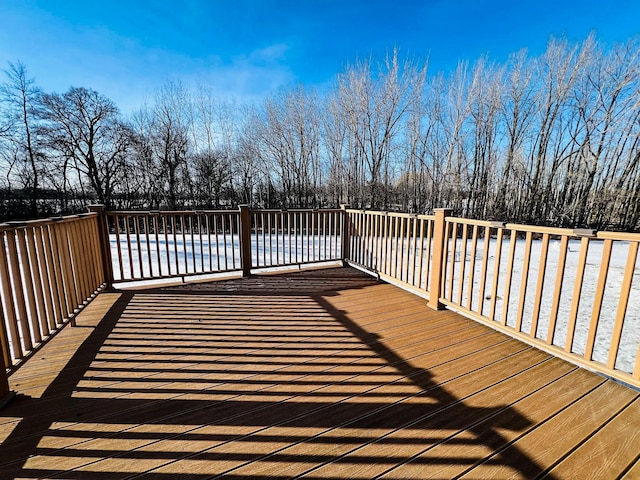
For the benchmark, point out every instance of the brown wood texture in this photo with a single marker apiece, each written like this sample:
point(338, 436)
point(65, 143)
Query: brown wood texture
point(321, 374)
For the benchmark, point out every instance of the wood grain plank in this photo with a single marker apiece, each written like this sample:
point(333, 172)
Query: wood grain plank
point(608, 453)
point(543, 446)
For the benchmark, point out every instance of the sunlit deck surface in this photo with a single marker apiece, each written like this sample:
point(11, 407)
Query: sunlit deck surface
point(321, 374)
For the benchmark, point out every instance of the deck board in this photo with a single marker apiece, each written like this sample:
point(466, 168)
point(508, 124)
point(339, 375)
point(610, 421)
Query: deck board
point(324, 374)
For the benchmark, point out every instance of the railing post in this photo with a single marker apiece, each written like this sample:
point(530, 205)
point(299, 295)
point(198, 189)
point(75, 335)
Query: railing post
point(105, 244)
point(346, 228)
point(245, 240)
point(437, 269)
point(5, 393)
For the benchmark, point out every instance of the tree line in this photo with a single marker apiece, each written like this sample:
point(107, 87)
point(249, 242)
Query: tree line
point(553, 139)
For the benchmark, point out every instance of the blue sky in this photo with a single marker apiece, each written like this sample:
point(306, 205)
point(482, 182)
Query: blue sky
point(247, 49)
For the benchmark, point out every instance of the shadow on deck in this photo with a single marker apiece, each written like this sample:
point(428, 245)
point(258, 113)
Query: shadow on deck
point(325, 374)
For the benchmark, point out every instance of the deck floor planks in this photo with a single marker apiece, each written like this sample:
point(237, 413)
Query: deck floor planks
point(434, 429)
point(326, 372)
point(587, 415)
point(608, 452)
point(475, 446)
point(356, 409)
point(633, 472)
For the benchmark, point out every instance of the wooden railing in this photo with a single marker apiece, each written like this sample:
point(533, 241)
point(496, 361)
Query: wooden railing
point(564, 290)
point(48, 270)
point(573, 293)
point(295, 237)
point(396, 246)
point(160, 245)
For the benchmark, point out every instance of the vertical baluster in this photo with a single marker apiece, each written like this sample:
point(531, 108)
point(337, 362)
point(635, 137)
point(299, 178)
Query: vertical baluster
point(98, 274)
point(428, 254)
point(5, 341)
point(421, 256)
point(539, 285)
point(414, 246)
point(215, 227)
point(507, 284)
point(268, 228)
point(82, 245)
point(378, 234)
point(463, 261)
point(496, 273)
point(289, 236)
point(394, 246)
point(324, 234)
point(623, 301)
point(314, 238)
point(45, 276)
point(175, 243)
point(70, 283)
point(81, 259)
point(264, 240)
point(445, 256)
point(400, 249)
point(207, 226)
point(36, 277)
point(156, 233)
point(55, 272)
point(406, 245)
point(167, 250)
point(145, 223)
point(295, 235)
point(307, 224)
point(524, 281)
point(332, 217)
point(472, 265)
point(483, 274)
point(118, 246)
point(199, 219)
point(276, 217)
point(24, 263)
point(7, 294)
point(137, 233)
point(185, 249)
point(599, 294)
point(354, 238)
point(453, 226)
point(127, 226)
point(194, 260)
point(359, 245)
point(230, 220)
point(224, 242)
point(368, 256)
point(19, 289)
point(555, 305)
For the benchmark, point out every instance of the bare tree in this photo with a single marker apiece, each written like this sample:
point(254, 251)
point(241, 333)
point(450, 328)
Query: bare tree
point(170, 133)
point(84, 127)
point(289, 137)
point(21, 97)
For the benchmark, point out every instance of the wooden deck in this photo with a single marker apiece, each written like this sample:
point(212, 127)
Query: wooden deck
point(325, 374)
